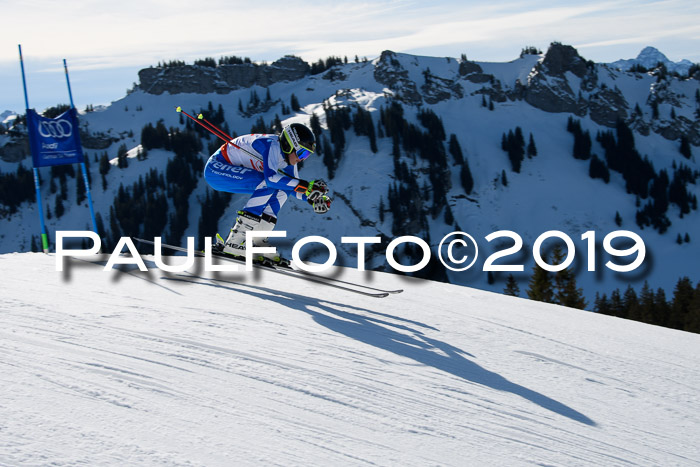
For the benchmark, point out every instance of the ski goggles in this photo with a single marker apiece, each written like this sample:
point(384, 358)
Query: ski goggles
point(303, 153)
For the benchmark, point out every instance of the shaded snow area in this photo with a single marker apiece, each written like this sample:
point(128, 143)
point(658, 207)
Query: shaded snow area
point(126, 368)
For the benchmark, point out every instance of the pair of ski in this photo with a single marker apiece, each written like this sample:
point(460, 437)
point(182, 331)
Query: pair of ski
point(288, 271)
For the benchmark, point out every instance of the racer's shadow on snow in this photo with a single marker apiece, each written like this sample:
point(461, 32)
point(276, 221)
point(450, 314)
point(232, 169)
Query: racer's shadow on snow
point(401, 337)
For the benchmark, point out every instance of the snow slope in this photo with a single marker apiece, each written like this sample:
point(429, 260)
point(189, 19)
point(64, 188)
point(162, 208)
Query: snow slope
point(133, 368)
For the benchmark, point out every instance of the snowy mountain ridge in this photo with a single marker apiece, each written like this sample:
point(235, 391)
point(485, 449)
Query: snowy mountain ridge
point(6, 116)
point(650, 58)
point(477, 102)
point(186, 369)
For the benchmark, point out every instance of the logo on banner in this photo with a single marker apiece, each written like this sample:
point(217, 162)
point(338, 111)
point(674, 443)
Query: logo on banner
point(56, 129)
point(54, 141)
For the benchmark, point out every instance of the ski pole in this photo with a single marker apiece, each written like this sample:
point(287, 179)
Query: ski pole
point(211, 128)
point(217, 132)
point(211, 125)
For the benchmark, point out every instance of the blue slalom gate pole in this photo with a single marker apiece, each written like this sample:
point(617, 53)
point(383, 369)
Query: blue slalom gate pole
point(37, 183)
point(82, 164)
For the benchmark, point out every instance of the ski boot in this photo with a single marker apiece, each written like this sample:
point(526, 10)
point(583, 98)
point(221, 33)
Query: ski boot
point(235, 245)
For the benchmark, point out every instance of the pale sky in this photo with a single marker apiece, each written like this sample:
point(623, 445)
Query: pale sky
point(106, 43)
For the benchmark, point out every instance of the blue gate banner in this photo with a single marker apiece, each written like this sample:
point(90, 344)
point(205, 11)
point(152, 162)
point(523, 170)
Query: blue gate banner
point(54, 141)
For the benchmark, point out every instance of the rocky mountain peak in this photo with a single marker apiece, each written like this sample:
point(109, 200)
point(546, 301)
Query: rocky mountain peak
point(221, 79)
point(649, 58)
point(652, 55)
point(562, 58)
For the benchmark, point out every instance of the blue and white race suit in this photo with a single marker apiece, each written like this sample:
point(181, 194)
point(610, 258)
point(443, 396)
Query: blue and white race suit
point(257, 166)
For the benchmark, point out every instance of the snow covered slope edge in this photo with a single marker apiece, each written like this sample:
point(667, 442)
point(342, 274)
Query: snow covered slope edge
point(150, 368)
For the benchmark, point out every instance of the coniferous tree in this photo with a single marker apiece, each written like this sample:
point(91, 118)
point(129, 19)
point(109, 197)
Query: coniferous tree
point(254, 101)
point(531, 148)
point(622, 157)
point(114, 230)
point(319, 146)
point(465, 176)
point(519, 138)
point(490, 279)
point(647, 304)
point(514, 145)
point(372, 135)
point(540, 286)
point(455, 149)
point(662, 309)
point(294, 103)
point(630, 303)
point(104, 169)
point(512, 287)
point(582, 140)
point(329, 160)
point(277, 124)
point(685, 147)
point(59, 209)
point(122, 161)
point(598, 169)
point(654, 212)
point(678, 192)
point(64, 189)
point(566, 291)
point(616, 306)
point(680, 305)
point(363, 124)
point(80, 190)
point(655, 110)
point(601, 305)
point(692, 318)
point(315, 125)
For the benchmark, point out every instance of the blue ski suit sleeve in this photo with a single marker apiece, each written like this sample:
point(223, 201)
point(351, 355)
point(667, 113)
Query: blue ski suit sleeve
point(277, 177)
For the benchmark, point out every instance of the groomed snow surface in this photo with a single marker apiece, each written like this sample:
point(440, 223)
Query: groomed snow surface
point(133, 368)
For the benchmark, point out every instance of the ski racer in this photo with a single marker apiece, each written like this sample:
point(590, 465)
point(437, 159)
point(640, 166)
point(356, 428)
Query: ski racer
point(264, 166)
